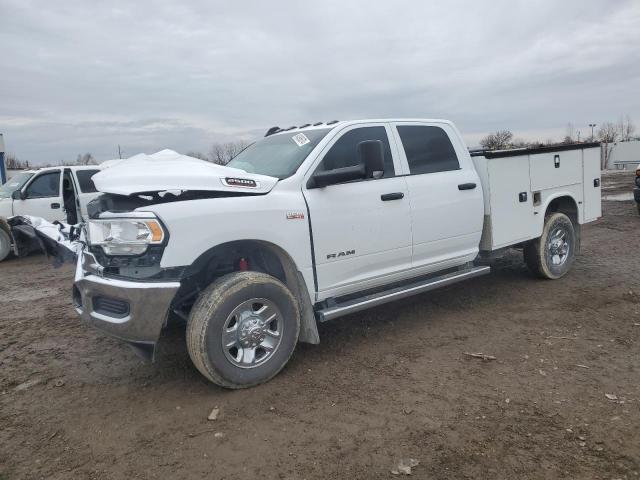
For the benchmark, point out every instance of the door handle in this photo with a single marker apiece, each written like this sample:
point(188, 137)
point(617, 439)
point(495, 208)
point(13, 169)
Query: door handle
point(392, 196)
point(466, 186)
point(55, 206)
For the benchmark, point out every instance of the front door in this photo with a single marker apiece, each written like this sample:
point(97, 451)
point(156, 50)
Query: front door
point(43, 197)
point(361, 229)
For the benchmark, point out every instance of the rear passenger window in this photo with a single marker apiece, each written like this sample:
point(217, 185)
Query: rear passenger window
point(344, 151)
point(428, 149)
point(84, 179)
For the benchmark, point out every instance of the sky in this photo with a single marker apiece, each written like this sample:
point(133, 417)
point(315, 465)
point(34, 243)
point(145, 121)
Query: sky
point(78, 76)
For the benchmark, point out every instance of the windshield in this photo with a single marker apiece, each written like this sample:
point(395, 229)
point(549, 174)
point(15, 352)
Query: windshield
point(16, 183)
point(278, 155)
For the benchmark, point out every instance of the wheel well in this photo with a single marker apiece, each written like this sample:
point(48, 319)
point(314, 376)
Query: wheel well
point(255, 255)
point(566, 205)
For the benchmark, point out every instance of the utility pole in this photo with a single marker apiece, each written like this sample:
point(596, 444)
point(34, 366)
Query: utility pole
point(592, 125)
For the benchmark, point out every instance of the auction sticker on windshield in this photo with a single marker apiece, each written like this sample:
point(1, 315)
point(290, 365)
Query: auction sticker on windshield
point(300, 139)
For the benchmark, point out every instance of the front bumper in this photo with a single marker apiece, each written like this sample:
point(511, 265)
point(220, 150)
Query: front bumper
point(147, 305)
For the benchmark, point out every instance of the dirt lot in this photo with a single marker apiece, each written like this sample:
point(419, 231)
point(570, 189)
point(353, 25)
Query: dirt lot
point(383, 385)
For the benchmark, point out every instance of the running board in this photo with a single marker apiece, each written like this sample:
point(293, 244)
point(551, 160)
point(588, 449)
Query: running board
point(398, 293)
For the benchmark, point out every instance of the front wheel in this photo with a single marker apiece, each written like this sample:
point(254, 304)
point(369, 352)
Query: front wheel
point(243, 329)
point(552, 255)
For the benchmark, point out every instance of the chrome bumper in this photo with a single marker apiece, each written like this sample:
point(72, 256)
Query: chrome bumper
point(148, 305)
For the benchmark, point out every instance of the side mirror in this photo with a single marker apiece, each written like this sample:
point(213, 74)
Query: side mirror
point(18, 195)
point(337, 175)
point(371, 155)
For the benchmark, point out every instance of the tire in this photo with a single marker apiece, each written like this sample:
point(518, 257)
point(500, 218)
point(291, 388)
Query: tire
point(552, 255)
point(247, 311)
point(5, 245)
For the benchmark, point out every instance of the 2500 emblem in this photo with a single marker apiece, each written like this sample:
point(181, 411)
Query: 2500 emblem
point(340, 254)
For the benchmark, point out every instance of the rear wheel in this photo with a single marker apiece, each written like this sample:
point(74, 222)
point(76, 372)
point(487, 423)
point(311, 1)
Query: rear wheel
point(243, 329)
point(552, 255)
point(5, 245)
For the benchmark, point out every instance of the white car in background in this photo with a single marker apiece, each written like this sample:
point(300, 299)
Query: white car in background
point(53, 193)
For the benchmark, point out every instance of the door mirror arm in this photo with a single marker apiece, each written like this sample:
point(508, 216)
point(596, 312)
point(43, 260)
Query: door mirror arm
point(337, 175)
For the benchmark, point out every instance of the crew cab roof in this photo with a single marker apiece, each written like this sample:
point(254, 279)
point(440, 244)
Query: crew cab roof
point(347, 123)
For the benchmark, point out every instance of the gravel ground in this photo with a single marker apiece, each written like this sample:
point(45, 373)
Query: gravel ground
point(560, 401)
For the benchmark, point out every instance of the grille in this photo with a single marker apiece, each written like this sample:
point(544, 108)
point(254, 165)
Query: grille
point(111, 307)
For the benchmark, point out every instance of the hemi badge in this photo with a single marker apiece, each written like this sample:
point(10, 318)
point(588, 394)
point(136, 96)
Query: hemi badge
point(240, 182)
point(295, 216)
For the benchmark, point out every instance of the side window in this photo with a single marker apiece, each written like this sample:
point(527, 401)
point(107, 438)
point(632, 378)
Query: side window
point(84, 179)
point(343, 153)
point(45, 185)
point(428, 149)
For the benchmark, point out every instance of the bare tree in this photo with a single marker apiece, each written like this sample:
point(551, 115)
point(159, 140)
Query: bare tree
point(85, 159)
point(223, 153)
point(199, 155)
point(627, 128)
point(608, 134)
point(570, 135)
point(497, 141)
point(12, 162)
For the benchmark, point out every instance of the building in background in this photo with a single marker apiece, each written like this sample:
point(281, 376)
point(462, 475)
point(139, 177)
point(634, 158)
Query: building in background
point(3, 170)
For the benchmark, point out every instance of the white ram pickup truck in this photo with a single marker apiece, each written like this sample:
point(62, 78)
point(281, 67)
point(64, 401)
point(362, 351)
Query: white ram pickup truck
point(54, 193)
point(312, 223)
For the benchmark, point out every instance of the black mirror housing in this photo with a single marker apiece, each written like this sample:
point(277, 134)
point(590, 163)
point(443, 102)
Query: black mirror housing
point(17, 195)
point(371, 155)
point(337, 175)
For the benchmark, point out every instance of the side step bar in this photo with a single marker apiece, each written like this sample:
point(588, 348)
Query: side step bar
point(397, 293)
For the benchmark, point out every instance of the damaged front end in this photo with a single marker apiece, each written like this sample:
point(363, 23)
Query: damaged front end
point(133, 311)
point(105, 297)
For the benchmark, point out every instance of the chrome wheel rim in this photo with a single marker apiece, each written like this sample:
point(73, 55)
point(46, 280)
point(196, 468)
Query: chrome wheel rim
point(558, 247)
point(252, 333)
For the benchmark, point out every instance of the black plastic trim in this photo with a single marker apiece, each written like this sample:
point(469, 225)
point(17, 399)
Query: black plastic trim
point(313, 250)
point(532, 151)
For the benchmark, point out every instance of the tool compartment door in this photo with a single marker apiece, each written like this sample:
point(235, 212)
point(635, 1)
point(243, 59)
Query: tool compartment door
point(512, 218)
point(555, 169)
point(592, 208)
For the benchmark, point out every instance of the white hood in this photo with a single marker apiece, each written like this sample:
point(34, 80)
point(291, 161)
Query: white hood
point(169, 171)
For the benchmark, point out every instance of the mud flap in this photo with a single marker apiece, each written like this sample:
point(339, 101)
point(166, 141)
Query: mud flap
point(144, 350)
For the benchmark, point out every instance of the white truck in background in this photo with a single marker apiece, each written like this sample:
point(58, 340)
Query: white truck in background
point(312, 223)
point(54, 193)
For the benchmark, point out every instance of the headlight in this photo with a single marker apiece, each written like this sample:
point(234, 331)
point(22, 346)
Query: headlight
point(125, 236)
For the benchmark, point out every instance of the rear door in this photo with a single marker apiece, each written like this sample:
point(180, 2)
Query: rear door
point(85, 188)
point(446, 204)
point(361, 229)
point(43, 197)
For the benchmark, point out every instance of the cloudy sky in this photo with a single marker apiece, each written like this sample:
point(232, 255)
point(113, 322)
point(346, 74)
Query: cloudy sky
point(82, 76)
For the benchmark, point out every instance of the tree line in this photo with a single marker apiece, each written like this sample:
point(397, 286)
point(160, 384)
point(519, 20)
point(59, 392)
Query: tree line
point(220, 153)
point(608, 133)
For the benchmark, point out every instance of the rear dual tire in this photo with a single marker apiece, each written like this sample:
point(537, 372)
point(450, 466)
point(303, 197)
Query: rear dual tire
point(552, 255)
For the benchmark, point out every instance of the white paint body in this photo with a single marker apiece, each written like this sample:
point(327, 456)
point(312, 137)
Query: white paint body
point(343, 238)
point(509, 221)
point(49, 208)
